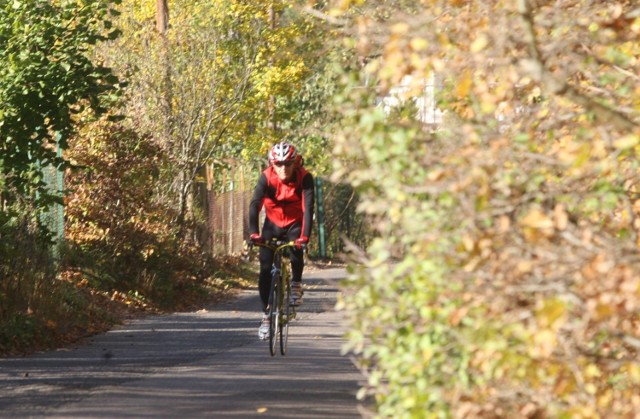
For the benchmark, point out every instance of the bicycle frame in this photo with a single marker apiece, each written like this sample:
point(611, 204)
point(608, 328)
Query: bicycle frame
point(280, 311)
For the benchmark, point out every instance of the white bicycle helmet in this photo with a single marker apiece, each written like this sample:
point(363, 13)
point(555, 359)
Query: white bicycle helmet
point(282, 152)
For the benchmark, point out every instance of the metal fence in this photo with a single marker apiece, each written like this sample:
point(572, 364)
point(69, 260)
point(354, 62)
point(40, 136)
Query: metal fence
point(53, 177)
point(228, 221)
point(225, 199)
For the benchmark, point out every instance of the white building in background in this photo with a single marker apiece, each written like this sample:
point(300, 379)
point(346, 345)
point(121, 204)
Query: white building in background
point(427, 111)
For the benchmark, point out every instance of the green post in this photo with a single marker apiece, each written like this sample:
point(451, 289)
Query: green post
point(59, 221)
point(54, 216)
point(320, 207)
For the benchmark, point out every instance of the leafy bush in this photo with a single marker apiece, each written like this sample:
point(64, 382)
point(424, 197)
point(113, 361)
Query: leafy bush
point(505, 279)
point(46, 77)
point(26, 269)
point(118, 233)
point(36, 308)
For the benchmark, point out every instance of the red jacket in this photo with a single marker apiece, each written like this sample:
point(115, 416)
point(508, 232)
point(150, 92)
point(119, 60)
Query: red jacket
point(284, 202)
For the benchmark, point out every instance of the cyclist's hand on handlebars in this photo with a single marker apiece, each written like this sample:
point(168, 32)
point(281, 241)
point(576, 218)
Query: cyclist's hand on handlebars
point(255, 238)
point(301, 242)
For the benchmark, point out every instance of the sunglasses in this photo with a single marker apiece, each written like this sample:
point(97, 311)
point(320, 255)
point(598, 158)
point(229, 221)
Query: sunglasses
point(283, 163)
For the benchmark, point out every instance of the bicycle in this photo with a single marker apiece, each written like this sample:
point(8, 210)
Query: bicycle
point(279, 310)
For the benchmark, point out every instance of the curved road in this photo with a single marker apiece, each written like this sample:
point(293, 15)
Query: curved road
point(204, 364)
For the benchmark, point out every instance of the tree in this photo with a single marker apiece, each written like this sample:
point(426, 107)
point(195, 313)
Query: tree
point(47, 77)
point(228, 61)
point(162, 16)
point(211, 59)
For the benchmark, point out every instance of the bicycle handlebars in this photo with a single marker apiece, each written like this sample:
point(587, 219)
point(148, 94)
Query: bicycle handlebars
point(275, 244)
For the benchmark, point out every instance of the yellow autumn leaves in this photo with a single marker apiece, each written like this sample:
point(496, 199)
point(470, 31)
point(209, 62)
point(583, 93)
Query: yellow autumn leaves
point(280, 79)
point(531, 191)
point(537, 223)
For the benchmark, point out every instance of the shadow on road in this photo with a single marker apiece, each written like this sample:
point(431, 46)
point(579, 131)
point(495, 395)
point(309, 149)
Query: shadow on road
point(203, 364)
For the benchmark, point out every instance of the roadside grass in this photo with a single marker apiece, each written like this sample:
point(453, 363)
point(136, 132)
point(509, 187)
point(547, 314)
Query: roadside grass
point(72, 309)
point(78, 302)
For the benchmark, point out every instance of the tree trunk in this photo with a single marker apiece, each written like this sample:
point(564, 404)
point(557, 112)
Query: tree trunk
point(272, 99)
point(162, 16)
point(162, 25)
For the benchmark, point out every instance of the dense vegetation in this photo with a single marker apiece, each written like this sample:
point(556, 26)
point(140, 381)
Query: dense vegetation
point(504, 278)
point(46, 78)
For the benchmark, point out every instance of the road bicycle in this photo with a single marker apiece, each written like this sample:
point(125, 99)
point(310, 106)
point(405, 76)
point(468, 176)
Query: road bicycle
point(280, 310)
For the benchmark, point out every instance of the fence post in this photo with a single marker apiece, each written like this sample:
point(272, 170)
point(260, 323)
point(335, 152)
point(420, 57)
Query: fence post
point(53, 177)
point(231, 214)
point(320, 206)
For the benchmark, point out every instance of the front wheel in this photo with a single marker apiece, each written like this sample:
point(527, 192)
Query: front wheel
point(274, 316)
point(285, 316)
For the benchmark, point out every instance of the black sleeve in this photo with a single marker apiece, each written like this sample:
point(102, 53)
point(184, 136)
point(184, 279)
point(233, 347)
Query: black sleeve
point(308, 202)
point(256, 203)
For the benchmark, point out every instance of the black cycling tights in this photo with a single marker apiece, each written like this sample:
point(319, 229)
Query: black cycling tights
point(270, 230)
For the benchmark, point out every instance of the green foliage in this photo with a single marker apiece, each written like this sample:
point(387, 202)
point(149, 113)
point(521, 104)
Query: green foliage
point(290, 89)
point(46, 77)
point(19, 331)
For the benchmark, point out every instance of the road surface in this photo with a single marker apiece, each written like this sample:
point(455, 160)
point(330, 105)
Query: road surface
point(207, 363)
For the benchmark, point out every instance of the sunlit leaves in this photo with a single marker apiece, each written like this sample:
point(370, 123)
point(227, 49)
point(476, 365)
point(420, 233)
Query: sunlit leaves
point(111, 211)
point(281, 81)
point(47, 76)
point(525, 197)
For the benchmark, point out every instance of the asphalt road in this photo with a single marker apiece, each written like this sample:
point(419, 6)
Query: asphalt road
point(208, 363)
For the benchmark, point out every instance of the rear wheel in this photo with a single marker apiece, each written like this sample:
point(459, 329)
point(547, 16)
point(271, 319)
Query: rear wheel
point(274, 317)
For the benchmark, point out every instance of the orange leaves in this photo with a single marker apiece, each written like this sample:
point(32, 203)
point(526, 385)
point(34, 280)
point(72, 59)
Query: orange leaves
point(611, 290)
point(464, 83)
point(403, 56)
point(537, 224)
point(620, 23)
point(458, 315)
point(561, 217)
point(458, 3)
point(598, 266)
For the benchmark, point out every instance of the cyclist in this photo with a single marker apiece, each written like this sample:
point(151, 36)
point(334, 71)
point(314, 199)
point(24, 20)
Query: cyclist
point(286, 190)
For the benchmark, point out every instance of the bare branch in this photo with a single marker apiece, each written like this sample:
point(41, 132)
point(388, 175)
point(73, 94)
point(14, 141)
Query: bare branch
point(535, 66)
point(323, 16)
